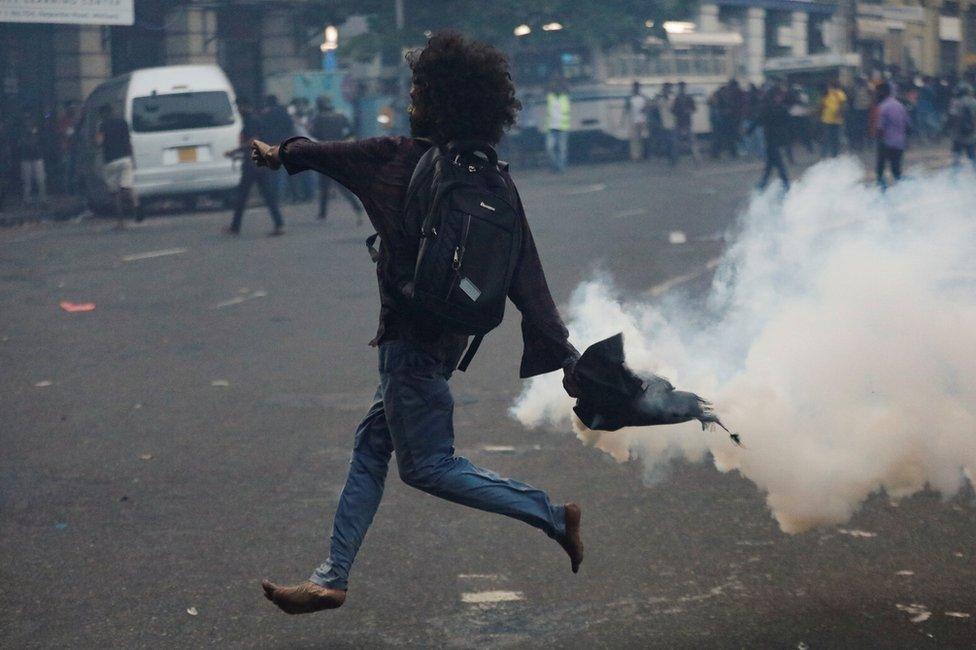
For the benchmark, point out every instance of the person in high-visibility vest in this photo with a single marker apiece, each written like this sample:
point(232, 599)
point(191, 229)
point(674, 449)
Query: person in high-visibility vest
point(557, 123)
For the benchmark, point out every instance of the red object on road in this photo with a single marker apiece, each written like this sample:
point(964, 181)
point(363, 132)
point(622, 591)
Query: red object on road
point(72, 307)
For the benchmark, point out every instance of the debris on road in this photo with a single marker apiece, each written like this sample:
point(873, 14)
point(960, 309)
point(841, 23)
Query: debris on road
point(151, 254)
point(677, 237)
point(482, 597)
point(74, 307)
point(223, 383)
point(905, 573)
point(61, 525)
point(856, 533)
point(919, 613)
point(957, 614)
point(44, 384)
point(145, 456)
point(192, 611)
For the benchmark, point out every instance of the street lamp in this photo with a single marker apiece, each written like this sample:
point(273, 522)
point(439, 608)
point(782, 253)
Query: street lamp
point(522, 30)
point(552, 27)
point(331, 39)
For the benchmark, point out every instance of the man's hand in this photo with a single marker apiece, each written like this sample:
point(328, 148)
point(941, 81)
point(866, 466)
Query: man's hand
point(569, 380)
point(264, 155)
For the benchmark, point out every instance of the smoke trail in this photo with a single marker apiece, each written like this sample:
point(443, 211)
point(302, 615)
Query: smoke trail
point(839, 337)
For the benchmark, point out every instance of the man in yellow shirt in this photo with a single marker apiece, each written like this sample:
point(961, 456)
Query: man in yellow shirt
point(832, 105)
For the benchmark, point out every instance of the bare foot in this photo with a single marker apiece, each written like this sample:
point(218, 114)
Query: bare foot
point(572, 543)
point(303, 598)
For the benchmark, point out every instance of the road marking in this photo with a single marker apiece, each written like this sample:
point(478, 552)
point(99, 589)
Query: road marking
point(498, 449)
point(636, 212)
point(479, 597)
point(236, 300)
point(856, 533)
point(586, 189)
point(151, 254)
point(667, 285)
point(478, 576)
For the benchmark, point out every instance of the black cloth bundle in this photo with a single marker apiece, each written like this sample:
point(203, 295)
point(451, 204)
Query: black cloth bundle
point(612, 396)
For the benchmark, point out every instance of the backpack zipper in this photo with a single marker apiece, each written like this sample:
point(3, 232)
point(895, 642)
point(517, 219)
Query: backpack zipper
point(459, 255)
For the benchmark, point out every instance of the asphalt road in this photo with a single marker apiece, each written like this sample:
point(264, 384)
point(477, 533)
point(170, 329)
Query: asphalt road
point(163, 453)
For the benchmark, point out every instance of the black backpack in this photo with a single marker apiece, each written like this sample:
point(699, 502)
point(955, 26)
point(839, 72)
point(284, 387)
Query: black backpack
point(460, 216)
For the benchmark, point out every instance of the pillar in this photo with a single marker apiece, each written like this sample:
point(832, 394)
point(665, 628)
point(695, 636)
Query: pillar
point(191, 36)
point(82, 61)
point(708, 18)
point(799, 25)
point(279, 46)
point(755, 43)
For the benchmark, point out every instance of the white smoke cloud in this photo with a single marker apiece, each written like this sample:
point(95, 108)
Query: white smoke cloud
point(838, 337)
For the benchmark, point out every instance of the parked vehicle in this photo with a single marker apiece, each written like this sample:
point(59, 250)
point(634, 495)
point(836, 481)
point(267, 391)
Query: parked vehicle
point(182, 120)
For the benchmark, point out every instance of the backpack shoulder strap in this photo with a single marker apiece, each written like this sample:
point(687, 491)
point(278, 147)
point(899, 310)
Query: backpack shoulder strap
point(419, 171)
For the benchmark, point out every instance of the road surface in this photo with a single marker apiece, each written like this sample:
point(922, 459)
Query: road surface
point(164, 452)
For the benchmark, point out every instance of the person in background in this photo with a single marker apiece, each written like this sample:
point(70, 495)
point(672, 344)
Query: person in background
point(926, 116)
point(558, 107)
point(276, 123)
point(862, 98)
point(729, 103)
point(300, 189)
point(266, 180)
point(118, 168)
point(774, 118)
point(635, 114)
point(666, 139)
point(329, 125)
point(892, 131)
point(943, 97)
point(798, 103)
point(754, 100)
point(30, 149)
point(67, 121)
point(683, 109)
point(832, 105)
point(962, 124)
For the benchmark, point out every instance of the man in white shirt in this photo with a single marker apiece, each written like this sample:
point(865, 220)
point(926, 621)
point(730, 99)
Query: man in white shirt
point(635, 113)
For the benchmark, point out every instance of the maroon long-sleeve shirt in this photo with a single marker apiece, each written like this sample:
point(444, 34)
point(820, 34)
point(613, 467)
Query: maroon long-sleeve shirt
point(378, 171)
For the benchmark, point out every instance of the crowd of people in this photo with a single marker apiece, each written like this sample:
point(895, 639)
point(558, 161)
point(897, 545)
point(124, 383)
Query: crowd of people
point(771, 121)
point(39, 159)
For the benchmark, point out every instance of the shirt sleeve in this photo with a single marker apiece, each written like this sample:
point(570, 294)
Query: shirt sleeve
point(354, 164)
point(545, 340)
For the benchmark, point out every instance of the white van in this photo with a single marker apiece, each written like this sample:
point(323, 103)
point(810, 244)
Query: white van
point(182, 119)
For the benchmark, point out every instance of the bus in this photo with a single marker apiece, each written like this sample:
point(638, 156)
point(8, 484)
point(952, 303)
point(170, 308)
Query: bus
point(601, 81)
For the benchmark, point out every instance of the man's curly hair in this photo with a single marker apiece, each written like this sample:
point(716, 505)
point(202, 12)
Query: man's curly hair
point(461, 90)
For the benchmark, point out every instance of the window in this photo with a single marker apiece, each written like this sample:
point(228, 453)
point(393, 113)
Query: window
point(181, 111)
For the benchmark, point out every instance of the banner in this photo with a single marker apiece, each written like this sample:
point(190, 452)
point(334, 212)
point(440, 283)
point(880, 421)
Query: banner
point(72, 12)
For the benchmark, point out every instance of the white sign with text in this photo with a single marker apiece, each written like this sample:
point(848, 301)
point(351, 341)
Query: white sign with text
point(72, 12)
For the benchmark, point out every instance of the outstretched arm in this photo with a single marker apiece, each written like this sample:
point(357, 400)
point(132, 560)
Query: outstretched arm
point(544, 336)
point(353, 164)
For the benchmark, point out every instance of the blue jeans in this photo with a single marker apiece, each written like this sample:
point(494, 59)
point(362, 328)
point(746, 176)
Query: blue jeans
point(412, 414)
point(557, 146)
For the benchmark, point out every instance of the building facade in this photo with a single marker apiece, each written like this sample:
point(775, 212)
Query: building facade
point(45, 65)
point(928, 37)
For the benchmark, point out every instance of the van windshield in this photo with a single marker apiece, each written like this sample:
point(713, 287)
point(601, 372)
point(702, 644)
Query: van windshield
point(180, 111)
